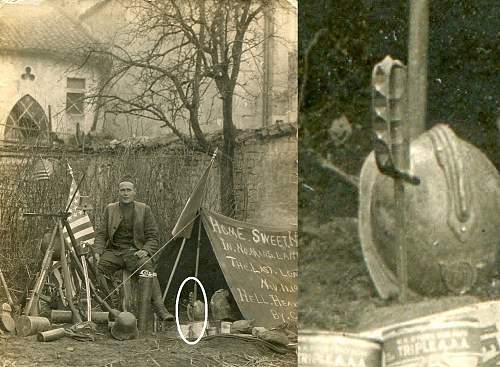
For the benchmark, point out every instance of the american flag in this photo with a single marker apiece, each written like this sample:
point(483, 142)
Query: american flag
point(79, 221)
point(43, 170)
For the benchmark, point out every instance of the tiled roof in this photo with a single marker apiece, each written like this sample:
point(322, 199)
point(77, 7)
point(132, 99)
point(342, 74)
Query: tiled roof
point(42, 28)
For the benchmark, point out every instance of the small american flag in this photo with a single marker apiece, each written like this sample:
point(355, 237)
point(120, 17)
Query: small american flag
point(79, 221)
point(43, 170)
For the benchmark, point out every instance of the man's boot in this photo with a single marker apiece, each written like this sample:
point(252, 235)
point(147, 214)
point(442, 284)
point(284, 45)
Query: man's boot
point(157, 302)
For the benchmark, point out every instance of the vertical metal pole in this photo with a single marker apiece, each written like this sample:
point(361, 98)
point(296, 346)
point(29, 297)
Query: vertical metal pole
point(402, 263)
point(417, 66)
point(195, 291)
point(400, 148)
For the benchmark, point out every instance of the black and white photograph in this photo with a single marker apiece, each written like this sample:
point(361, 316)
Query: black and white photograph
point(148, 183)
point(399, 191)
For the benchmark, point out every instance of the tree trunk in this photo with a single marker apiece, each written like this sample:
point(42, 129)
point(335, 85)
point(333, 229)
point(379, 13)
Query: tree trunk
point(228, 202)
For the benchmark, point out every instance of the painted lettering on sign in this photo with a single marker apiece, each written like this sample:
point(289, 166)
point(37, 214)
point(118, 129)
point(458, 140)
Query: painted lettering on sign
point(260, 265)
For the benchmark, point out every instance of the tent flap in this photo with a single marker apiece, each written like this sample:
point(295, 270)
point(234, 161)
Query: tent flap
point(260, 265)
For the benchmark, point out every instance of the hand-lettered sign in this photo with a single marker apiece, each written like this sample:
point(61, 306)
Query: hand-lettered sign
point(260, 265)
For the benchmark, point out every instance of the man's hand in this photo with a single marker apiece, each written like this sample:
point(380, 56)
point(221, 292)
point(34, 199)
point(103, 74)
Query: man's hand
point(97, 257)
point(141, 253)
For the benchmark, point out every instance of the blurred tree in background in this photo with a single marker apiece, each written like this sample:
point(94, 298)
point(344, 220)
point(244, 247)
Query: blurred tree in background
point(341, 41)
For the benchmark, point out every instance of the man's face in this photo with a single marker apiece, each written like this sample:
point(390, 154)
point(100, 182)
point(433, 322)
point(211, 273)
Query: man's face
point(126, 192)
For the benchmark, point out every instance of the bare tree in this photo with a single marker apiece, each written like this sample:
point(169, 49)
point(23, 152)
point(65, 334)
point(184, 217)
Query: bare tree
point(176, 50)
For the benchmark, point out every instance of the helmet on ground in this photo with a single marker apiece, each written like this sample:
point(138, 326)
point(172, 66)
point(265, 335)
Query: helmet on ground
point(125, 327)
point(453, 217)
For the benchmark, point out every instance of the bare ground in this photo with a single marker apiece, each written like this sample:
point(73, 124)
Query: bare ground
point(163, 349)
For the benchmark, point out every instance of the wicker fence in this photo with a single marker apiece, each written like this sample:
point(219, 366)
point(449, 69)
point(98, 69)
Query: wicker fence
point(164, 180)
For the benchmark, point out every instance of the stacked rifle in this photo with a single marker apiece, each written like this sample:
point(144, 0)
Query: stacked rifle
point(72, 280)
point(74, 269)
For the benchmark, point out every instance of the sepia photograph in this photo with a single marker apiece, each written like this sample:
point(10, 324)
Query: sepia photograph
point(399, 191)
point(148, 183)
point(161, 162)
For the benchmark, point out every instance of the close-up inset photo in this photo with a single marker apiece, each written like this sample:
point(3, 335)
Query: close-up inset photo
point(399, 190)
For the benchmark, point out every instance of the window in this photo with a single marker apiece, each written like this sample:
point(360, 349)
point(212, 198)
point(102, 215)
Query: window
point(26, 121)
point(75, 96)
point(74, 103)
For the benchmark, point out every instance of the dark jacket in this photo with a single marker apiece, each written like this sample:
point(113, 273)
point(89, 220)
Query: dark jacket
point(145, 228)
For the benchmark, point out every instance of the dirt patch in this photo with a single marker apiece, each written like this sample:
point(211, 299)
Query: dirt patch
point(163, 349)
point(336, 292)
point(334, 283)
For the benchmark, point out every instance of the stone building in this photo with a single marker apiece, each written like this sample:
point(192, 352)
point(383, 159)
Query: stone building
point(268, 81)
point(41, 83)
point(41, 87)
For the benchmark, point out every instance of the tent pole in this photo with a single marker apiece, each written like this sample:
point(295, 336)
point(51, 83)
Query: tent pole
point(195, 290)
point(173, 269)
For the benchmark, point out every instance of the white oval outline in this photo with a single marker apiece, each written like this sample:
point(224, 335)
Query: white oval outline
point(205, 321)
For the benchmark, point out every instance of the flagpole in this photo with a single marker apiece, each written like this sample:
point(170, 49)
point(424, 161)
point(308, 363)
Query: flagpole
point(79, 268)
point(197, 264)
point(214, 155)
point(174, 268)
point(77, 188)
point(186, 213)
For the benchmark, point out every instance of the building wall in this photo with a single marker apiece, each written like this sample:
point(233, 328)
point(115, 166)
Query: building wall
point(267, 170)
point(48, 88)
point(285, 42)
point(107, 23)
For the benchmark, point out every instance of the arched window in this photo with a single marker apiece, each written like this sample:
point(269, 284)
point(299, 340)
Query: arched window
point(26, 122)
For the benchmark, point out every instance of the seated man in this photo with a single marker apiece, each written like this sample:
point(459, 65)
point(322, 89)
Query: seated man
point(128, 238)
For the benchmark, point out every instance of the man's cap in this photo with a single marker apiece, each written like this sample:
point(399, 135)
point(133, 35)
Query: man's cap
point(127, 178)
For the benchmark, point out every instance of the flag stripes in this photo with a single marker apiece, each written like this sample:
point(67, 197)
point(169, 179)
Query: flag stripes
point(42, 171)
point(79, 221)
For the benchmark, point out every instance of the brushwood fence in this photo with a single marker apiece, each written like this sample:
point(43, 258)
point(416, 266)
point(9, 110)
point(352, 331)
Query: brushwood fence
point(164, 180)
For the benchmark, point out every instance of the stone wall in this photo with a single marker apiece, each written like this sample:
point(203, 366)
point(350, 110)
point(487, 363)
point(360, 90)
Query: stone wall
point(267, 169)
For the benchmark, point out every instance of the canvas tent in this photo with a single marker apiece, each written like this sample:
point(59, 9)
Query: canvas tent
point(258, 264)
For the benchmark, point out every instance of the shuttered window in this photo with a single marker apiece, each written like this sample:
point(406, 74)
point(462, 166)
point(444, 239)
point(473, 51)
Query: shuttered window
point(75, 96)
